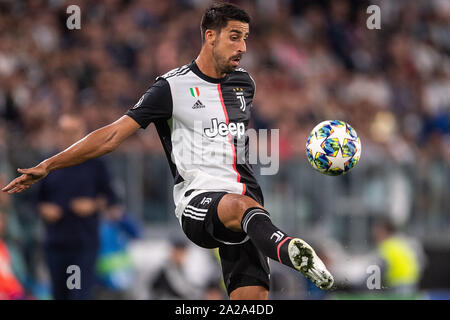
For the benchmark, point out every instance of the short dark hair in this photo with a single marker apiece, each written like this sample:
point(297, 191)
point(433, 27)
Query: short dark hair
point(217, 16)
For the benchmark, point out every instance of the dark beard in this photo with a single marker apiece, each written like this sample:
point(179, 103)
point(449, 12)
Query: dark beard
point(223, 64)
point(228, 69)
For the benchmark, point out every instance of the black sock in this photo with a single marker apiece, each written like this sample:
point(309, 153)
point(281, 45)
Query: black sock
point(268, 238)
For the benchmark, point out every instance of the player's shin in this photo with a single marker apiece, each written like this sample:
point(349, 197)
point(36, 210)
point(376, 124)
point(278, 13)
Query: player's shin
point(275, 244)
point(266, 236)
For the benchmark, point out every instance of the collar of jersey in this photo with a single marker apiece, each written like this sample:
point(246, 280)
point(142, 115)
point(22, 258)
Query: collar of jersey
point(193, 66)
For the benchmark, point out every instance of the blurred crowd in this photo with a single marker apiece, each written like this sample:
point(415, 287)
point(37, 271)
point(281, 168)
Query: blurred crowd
point(311, 61)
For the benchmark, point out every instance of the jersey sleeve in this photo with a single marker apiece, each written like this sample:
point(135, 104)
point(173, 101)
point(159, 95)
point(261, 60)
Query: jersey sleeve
point(155, 104)
point(253, 84)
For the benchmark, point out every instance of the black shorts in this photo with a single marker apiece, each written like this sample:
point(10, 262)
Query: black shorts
point(242, 263)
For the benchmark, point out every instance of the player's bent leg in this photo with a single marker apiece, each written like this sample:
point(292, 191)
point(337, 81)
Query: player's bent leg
point(243, 265)
point(241, 213)
point(231, 209)
point(249, 293)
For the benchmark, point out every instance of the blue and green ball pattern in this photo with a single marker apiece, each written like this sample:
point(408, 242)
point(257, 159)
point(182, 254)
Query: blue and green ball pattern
point(350, 148)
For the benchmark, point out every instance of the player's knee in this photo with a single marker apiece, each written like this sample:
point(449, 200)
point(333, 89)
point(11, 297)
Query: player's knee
point(232, 208)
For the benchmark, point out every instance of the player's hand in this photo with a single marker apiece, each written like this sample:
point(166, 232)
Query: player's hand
point(83, 206)
point(50, 212)
point(28, 177)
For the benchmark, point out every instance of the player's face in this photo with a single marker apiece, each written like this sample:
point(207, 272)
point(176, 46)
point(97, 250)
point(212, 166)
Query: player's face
point(230, 46)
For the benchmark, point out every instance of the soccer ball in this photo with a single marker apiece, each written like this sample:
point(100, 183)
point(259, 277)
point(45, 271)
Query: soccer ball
point(333, 147)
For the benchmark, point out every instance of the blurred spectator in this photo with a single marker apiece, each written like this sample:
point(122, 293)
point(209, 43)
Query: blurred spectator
point(10, 287)
point(13, 278)
point(69, 202)
point(400, 261)
point(114, 265)
point(171, 282)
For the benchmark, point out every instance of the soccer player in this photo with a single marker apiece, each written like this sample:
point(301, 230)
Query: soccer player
point(202, 110)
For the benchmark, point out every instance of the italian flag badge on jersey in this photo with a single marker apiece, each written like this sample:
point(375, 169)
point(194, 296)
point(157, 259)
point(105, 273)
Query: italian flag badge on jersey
point(194, 92)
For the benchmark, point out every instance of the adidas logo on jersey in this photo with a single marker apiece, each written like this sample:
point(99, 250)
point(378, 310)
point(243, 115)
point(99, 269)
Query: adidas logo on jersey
point(223, 129)
point(198, 105)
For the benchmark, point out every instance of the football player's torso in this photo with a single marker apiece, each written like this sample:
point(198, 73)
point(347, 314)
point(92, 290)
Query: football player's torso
point(210, 118)
point(222, 108)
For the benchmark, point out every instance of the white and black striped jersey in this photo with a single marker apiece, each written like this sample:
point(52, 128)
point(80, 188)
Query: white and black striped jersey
point(202, 123)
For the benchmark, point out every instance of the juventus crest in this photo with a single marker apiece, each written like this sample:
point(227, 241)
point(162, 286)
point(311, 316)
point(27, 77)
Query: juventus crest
point(240, 95)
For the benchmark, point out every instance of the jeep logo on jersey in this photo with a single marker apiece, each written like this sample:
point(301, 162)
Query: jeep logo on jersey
point(223, 129)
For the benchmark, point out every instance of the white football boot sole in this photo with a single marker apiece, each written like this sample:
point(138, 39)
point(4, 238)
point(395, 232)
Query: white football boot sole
point(305, 260)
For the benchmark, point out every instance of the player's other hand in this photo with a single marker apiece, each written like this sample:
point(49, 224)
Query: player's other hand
point(83, 206)
point(50, 212)
point(28, 177)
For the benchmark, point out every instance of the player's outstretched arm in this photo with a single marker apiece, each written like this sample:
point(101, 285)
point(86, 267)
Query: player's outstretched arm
point(95, 144)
